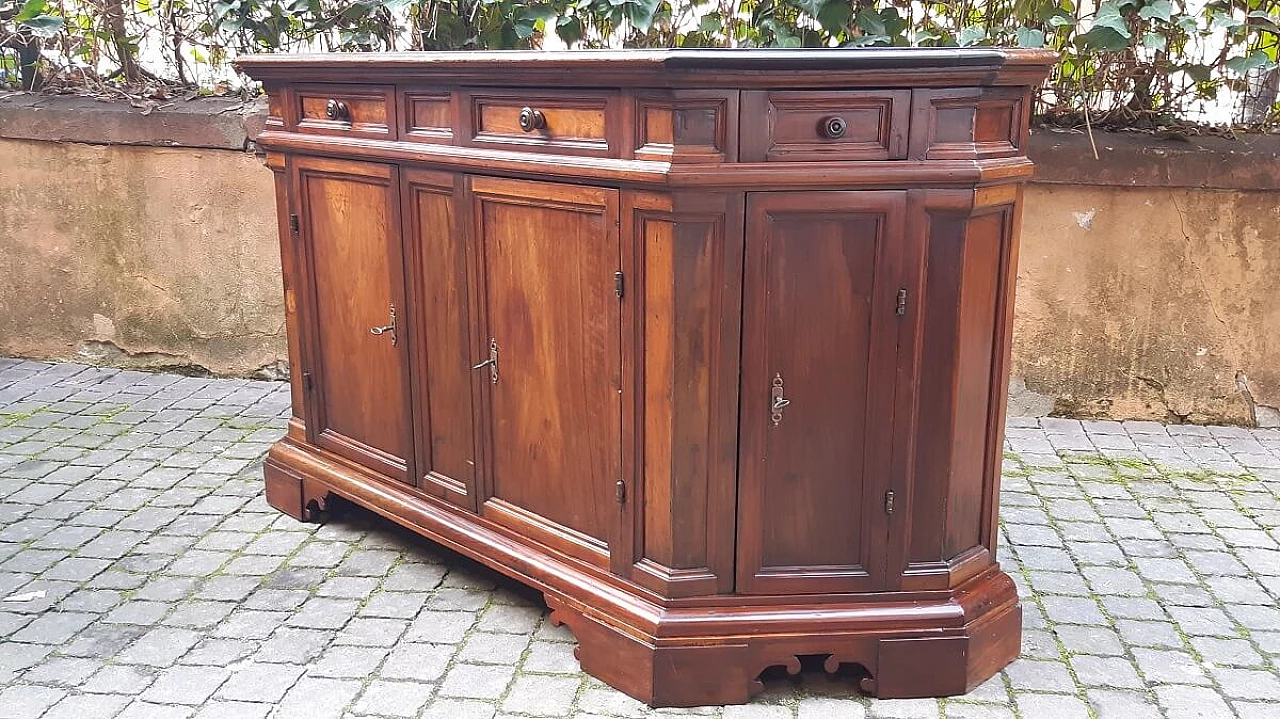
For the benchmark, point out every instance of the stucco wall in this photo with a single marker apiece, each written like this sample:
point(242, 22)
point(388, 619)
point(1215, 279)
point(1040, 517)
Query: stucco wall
point(139, 256)
point(1149, 282)
point(1152, 303)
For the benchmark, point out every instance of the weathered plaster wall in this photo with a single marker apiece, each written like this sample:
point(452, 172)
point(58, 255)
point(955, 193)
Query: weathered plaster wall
point(1149, 283)
point(139, 256)
point(1153, 303)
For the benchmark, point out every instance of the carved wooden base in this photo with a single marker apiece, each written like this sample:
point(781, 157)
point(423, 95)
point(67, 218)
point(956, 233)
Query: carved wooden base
point(727, 671)
point(906, 644)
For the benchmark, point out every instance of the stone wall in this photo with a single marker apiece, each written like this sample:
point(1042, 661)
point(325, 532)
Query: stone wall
point(1149, 281)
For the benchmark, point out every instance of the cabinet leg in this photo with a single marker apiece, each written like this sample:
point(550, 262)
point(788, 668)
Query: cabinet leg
point(299, 497)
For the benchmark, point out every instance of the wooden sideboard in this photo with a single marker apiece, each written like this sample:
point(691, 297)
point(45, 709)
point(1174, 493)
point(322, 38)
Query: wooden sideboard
point(708, 346)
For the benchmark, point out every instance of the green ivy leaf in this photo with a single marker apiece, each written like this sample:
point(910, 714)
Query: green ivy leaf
point(31, 10)
point(1225, 21)
point(1243, 64)
point(834, 16)
point(922, 36)
point(1109, 17)
point(1061, 18)
point(538, 12)
point(44, 26)
point(569, 29)
point(870, 22)
point(1260, 19)
point(1161, 9)
point(711, 23)
point(1199, 73)
point(1103, 38)
point(1155, 41)
point(1030, 37)
point(640, 13)
point(972, 36)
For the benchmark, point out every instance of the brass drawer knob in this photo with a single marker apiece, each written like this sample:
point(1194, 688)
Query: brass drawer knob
point(336, 109)
point(833, 128)
point(531, 119)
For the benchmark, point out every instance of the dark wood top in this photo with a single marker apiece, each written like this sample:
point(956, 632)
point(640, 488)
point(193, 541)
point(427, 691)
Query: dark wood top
point(858, 67)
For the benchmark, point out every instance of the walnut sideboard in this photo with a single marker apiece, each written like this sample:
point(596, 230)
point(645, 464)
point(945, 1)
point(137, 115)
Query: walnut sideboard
point(709, 346)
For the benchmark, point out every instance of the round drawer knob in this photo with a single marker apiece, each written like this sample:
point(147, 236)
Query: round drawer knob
point(531, 119)
point(337, 110)
point(833, 128)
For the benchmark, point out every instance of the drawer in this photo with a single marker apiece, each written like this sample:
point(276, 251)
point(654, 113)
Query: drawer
point(573, 123)
point(800, 126)
point(352, 110)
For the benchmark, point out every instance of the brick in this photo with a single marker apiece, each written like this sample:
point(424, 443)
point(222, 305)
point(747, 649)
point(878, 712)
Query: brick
point(1050, 705)
point(458, 709)
point(829, 708)
point(1183, 702)
point(1115, 704)
point(551, 658)
point(1163, 666)
point(1106, 672)
point(260, 682)
point(185, 685)
point(26, 701)
point(88, 706)
point(317, 698)
point(159, 647)
point(397, 699)
point(233, 710)
point(472, 681)
point(421, 662)
point(348, 662)
point(1036, 675)
point(121, 679)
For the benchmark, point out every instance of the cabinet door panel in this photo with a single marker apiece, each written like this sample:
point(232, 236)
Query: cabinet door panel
point(445, 408)
point(349, 214)
point(549, 253)
point(817, 386)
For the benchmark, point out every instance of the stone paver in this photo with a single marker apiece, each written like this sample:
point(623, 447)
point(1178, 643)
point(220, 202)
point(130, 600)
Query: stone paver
point(143, 575)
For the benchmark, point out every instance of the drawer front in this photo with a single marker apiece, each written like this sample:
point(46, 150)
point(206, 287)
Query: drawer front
point(353, 110)
point(813, 126)
point(574, 123)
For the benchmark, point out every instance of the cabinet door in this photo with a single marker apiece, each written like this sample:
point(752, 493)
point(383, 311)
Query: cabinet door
point(819, 349)
point(445, 410)
point(354, 333)
point(550, 360)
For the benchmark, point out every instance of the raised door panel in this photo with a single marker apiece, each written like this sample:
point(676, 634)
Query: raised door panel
point(819, 348)
point(551, 357)
point(445, 406)
point(356, 344)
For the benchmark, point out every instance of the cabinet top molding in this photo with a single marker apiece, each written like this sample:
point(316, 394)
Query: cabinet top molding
point(822, 68)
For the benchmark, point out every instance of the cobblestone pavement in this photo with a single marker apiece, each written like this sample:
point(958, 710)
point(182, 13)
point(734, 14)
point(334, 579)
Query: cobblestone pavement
point(142, 575)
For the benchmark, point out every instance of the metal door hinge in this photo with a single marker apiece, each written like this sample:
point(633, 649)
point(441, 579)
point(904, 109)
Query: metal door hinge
point(888, 502)
point(902, 302)
point(621, 492)
point(293, 224)
point(306, 381)
point(618, 283)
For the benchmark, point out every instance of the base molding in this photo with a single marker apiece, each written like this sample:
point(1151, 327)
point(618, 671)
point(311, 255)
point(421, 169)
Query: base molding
point(909, 644)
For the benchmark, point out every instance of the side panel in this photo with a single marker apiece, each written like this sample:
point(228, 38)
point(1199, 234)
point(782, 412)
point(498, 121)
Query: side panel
point(966, 301)
point(686, 253)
